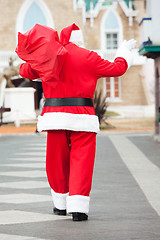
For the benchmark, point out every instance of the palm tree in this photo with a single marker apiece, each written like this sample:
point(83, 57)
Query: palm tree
point(100, 105)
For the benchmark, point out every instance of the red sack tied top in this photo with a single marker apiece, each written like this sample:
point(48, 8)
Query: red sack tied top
point(41, 49)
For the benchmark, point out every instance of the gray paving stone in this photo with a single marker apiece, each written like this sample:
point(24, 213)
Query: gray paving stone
point(119, 210)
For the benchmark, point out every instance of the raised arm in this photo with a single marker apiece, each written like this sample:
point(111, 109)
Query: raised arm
point(122, 62)
point(104, 68)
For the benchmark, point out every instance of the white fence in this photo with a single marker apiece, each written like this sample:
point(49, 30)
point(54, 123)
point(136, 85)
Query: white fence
point(106, 54)
point(110, 56)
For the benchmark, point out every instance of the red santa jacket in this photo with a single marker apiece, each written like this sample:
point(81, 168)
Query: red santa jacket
point(78, 74)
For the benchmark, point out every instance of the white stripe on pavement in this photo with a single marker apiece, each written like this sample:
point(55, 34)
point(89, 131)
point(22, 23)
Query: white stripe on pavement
point(28, 174)
point(143, 170)
point(19, 198)
point(33, 148)
point(25, 185)
point(18, 237)
point(35, 144)
point(26, 165)
point(41, 154)
point(16, 216)
point(40, 159)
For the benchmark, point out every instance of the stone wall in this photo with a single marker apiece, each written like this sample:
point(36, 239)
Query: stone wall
point(133, 91)
point(62, 13)
point(8, 16)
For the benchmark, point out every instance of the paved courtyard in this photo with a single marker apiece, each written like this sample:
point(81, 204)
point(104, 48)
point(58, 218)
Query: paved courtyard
point(125, 197)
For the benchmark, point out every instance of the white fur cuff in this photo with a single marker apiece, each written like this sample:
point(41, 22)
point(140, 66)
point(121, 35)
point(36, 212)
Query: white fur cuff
point(78, 203)
point(59, 200)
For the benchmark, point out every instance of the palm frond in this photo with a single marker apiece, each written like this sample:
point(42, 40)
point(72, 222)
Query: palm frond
point(100, 105)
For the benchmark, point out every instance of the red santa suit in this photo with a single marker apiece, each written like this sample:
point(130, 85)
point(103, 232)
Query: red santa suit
point(68, 71)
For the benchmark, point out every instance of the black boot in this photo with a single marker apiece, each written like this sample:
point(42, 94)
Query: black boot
point(59, 212)
point(77, 216)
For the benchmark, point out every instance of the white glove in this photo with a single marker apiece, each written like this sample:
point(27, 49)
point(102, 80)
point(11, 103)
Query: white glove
point(130, 44)
point(124, 51)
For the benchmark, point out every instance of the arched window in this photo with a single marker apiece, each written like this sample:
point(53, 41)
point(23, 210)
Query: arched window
point(111, 31)
point(111, 38)
point(31, 13)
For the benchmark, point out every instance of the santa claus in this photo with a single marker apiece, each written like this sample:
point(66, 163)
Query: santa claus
point(69, 75)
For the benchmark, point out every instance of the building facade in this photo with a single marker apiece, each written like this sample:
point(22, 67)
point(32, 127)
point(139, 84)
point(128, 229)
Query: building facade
point(105, 24)
point(150, 47)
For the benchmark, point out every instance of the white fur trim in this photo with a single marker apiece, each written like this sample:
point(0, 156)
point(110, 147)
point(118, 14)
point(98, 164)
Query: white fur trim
point(77, 38)
point(68, 121)
point(78, 203)
point(125, 53)
point(59, 199)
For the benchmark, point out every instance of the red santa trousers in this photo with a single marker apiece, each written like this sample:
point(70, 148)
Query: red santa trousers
point(69, 165)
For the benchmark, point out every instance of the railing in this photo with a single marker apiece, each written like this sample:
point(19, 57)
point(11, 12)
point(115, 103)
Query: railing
point(106, 54)
point(110, 56)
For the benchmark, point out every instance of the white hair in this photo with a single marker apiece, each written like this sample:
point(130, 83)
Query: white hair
point(77, 38)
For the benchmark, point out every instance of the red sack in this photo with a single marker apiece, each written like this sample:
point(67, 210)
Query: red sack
point(41, 49)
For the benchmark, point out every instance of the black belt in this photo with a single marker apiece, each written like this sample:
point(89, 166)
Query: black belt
point(60, 102)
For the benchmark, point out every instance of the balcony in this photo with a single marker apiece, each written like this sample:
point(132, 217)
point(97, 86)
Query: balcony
point(149, 38)
point(110, 56)
point(106, 54)
point(145, 31)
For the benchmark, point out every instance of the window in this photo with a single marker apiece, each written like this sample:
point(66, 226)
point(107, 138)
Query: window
point(111, 31)
point(113, 88)
point(32, 12)
point(33, 15)
point(111, 40)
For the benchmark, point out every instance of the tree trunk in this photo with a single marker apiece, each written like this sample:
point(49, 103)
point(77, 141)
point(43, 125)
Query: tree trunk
point(157, 95)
